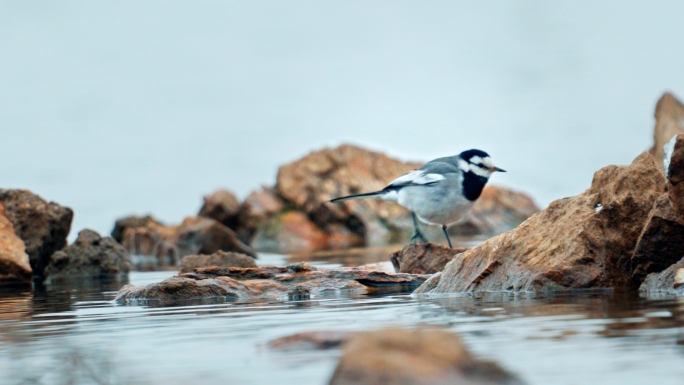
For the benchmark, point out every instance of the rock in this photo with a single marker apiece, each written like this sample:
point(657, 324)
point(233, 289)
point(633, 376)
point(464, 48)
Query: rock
point(669, 281)
point(324, 339)
point(312, 181)
point(220, 258)
point(293, 281)
point(42, 226)
point(675, 174)
point(257, 207)
point(424, 356)
point(89, 256)
point(585, 241)
point(669, 116)
point(14, 262)
point(122, 224)
point(661, 242)
point(197, 235)
point(152, 239)
point(427, 258)
point(289, 232)
point(222, 206)
point(182, 289)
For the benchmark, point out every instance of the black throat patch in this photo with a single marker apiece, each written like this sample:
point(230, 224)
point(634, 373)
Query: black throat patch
point(473, 185)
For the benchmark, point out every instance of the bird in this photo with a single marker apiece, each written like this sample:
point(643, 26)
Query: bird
point(440, 192)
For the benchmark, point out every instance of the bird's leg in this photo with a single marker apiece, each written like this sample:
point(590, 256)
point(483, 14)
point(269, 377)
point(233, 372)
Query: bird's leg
point(417, 236)
point(444, 228)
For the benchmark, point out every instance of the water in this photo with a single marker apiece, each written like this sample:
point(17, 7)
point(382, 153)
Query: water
point(117, 108)
point(76, 332)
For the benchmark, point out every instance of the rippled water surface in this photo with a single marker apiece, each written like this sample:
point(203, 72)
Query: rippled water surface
point(58, 333)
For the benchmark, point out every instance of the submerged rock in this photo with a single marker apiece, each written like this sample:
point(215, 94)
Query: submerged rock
point(220, 258)
point(14, 262)
point(89, 256)
point(424, 356)
point(323, 339)
point(222, 206)
point(42, 226)
point(584, 241)
point(427, 258)
point(294, 281)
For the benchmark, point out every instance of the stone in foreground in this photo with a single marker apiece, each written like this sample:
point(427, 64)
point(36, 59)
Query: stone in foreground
point(42, 226)
point(270, 282)
point(220, 258)
point(89, 256)
point(428, 258)
point(584, 241)
point(14, 262)
point(401, 357)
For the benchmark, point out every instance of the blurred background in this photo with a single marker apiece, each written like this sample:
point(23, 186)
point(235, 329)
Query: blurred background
point(117, 108)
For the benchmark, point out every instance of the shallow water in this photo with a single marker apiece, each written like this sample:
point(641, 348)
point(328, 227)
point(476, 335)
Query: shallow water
point(76, 332)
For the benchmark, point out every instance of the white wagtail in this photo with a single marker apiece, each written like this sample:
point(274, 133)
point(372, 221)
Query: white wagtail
point(441, 191)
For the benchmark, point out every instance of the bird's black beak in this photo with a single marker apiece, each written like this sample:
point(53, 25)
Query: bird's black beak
point(496, 169)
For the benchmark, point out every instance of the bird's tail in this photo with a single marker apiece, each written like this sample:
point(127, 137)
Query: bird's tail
point(357, 196)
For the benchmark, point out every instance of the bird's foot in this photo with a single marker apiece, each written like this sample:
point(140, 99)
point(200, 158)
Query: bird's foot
point(418, 237)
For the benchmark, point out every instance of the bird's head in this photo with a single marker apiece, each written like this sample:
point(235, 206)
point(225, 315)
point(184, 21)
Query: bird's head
point(478, 162)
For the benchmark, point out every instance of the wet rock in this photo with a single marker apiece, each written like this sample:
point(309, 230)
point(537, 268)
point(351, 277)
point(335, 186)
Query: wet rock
point(324, 339)
point(222, 206)
point(122, 224)
point(182, 288)
point(669, 281)
point(293, 281)
point(220, 258)
point(423, 356)
point(42, 226)
point(661, 242)
point(427, 258)
point(89, 256)
point(585, 241)
point(669, 116)
point(14, 262)
point(289, 232)
point(197, 235)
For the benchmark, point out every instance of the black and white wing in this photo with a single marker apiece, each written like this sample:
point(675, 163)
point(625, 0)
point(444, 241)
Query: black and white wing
point(427, 175)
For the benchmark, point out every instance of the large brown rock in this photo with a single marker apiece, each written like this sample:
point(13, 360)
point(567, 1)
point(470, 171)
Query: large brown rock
point(42, 226)
point(294, 281)
point(426, 258)
point(220, 258)
point(312, 181)
point(397, 356)
point(222, 206)
point(89, 256)
point(669, 116)
point(14, 262)
point(585, 241)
